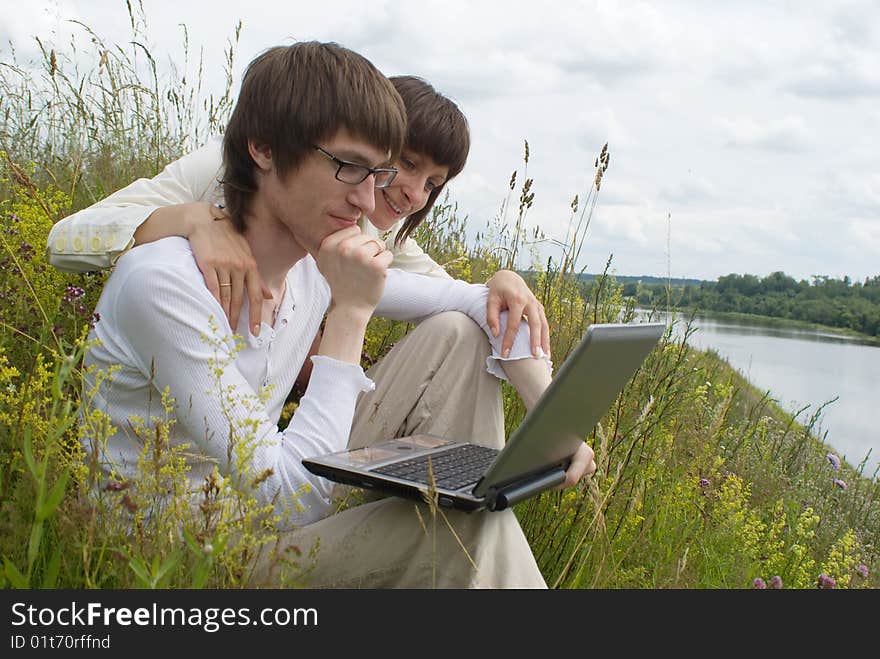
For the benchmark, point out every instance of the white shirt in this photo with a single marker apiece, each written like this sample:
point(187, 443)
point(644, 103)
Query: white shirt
point(163, 329)
point(95, 237)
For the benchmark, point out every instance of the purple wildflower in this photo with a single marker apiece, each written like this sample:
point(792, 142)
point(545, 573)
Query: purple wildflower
point(72, 293)
point(26, 251)
point(834, 460)
point(776, 582)
point(759, 584)
point(841, 484)
point(863, 570)
point(826, 582)
point(704, 482)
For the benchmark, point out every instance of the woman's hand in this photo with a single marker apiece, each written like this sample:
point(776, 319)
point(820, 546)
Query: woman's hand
point(227, 264)
point(222, 254)
point(507, 290)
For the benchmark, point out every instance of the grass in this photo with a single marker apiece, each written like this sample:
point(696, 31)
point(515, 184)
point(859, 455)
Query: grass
point(702, 483)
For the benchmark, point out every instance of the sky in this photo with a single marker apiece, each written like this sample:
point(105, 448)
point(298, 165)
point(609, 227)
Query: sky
point(743, 136)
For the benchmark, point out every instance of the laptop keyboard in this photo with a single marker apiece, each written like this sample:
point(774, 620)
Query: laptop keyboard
point(453, 468)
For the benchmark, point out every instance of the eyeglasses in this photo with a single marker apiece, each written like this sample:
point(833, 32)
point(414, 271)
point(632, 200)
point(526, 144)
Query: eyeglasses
point(354, 173)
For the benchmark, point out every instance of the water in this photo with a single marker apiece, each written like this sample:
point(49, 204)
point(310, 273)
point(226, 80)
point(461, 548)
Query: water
point(805, 367)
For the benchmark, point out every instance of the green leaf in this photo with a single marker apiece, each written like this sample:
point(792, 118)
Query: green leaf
point(191, 542)
point(16, 578)
point(29, 454)
point(62, 375)
point(219, 542)
point(140, 571)
point(165, 572)
point(60, 426)
point(55, 496)
point(50, 576)
point(36, 472)
point(34, 543)
point(202, 572)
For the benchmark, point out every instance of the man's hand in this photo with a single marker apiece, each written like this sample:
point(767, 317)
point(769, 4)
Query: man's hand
point(582, 464)
point(507, 290)
point(355, 267)
point(226, 262)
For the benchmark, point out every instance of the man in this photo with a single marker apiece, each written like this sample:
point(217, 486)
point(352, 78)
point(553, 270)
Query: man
point(312, 134)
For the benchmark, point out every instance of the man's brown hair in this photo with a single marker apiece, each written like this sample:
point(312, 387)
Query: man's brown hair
point(293, 97)
point(435, 127)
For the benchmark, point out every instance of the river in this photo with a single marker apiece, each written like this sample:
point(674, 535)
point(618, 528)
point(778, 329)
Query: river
point(806, 367)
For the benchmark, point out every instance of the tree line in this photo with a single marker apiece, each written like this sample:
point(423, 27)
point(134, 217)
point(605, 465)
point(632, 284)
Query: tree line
point(824, 300)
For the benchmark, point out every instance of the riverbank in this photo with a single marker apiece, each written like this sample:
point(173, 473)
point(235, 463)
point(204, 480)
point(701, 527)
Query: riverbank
point(805, 370)
point(762, 401)
point(705, 481)
point(782, 323)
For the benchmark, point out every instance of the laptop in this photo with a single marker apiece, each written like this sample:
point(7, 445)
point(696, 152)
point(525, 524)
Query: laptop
point(467, 476)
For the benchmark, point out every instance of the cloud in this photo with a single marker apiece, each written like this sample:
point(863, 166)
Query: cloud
point(598, 124)
point(520, 50)
point(613, 43)
point(31, 20)
point(691, 190)
point(788, 134)
point(842, 77)
point(841, 60)
point(851, 193)
point(866, 233)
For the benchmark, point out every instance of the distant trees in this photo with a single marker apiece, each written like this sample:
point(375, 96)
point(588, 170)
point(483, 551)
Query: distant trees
point(827, 301)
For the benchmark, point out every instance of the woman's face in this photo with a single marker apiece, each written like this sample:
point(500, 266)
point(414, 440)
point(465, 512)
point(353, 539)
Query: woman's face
point(417, 176)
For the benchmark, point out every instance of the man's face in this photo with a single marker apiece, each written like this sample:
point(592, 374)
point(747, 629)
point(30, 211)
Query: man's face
point(311, 202)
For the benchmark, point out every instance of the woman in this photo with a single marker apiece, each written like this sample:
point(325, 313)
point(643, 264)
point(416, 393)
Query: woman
point(436, 149)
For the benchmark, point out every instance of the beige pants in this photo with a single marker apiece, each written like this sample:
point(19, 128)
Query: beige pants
point(433, 381)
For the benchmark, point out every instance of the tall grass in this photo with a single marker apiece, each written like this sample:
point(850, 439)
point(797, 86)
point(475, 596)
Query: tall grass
point(702, 482)
point(89, 132)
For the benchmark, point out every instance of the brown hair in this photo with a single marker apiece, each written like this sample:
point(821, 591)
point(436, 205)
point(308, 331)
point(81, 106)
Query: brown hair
point(295, 96)
point(435, 127)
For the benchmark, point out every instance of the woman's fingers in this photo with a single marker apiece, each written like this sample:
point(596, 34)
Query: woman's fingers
point(514, 315)
point(493, 313)
point(256, 294)
point(225, 286)
point(211, 281)
point(237, 279)
point(539, 328)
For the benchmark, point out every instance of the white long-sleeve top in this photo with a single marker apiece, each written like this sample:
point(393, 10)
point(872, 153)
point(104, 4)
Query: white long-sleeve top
point(159, 325)
point(95, 237)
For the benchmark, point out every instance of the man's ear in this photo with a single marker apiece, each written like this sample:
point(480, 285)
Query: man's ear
point(261, 154)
